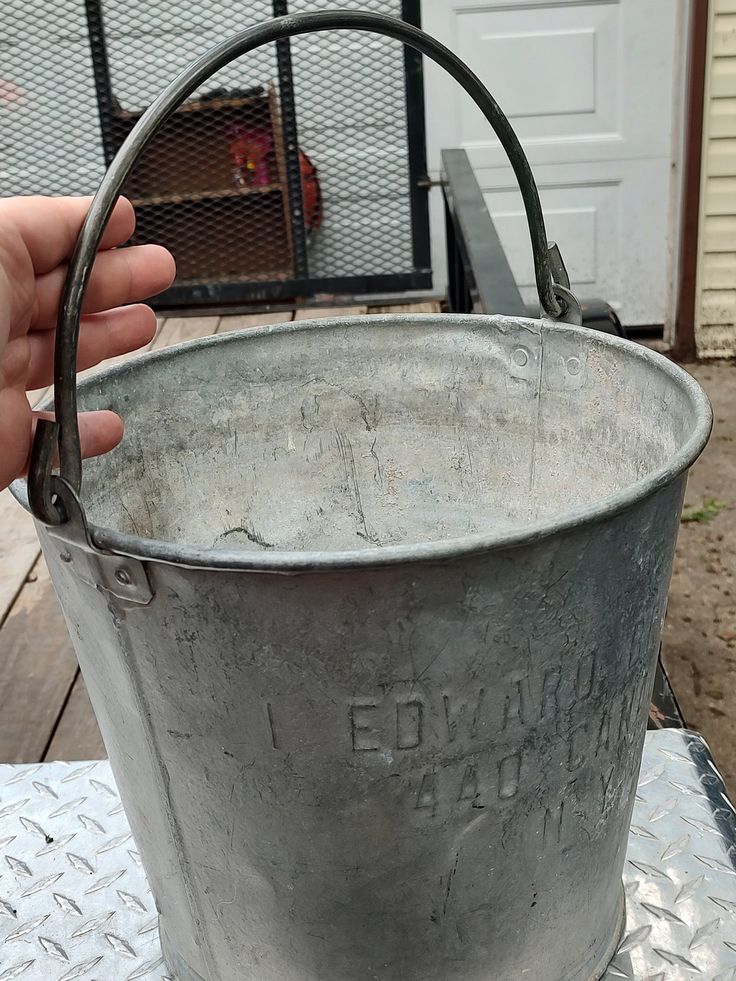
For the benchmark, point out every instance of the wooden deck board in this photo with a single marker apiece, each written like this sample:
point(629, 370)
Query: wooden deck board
point(44, 709)
point(38, 395)
point(427, 306)
point(247, 320)
point(315, 313)
point(178, 329)
point(18, 550)
point(38, 670)
point(77, 736)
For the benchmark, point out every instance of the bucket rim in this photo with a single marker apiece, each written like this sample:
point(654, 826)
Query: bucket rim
point(442, 550)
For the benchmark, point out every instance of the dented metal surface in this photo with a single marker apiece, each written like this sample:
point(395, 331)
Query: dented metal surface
point(411, 756)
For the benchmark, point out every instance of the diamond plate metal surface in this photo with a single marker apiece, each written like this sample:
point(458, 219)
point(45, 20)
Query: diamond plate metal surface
point(680, 877)
point(74, 902)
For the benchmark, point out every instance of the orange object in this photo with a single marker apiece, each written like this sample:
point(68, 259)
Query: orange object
point(311, 192)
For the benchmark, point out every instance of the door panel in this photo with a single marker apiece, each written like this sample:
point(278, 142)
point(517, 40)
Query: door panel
point(611, 249)
point(589, 88)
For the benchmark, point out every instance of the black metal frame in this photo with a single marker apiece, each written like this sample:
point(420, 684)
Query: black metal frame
point(302, 285)
point(290, 132)
point(479, 275)
point(217, 295)
point(417, 146)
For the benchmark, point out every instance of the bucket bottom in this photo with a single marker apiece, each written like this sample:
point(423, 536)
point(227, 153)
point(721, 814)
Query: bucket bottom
point(180, 971)
point(177, 968)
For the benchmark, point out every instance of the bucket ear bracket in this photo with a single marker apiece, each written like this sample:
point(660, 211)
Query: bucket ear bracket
point(569, 304)
point(123, 577)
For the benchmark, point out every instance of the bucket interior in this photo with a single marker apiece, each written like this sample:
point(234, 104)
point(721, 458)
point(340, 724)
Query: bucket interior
point(380, 431)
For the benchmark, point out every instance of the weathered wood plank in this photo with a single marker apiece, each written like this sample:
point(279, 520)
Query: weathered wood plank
point(38, 670)
point(178, 329)
point(19, 550)
point(247, 320)
point(38, 395)
point(425, 306)
point(160, 321)
point(77, 735)
point(319, 313)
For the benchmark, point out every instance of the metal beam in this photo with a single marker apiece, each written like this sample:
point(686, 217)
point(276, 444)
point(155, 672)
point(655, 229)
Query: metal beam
point(488, 274)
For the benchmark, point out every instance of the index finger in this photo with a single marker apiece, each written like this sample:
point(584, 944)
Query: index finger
point(49, 226)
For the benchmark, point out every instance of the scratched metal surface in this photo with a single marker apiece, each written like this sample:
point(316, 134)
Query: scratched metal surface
point(74, 902)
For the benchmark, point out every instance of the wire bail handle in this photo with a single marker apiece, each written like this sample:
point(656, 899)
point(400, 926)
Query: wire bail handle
point(553, 285)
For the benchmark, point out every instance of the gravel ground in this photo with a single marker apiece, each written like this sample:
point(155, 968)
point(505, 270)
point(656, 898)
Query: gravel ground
point(699, 644)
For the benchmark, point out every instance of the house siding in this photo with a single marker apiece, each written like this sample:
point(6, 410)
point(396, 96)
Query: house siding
point(715, 311)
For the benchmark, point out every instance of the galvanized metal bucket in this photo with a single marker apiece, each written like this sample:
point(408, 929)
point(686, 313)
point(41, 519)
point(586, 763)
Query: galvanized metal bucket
point(368, 612)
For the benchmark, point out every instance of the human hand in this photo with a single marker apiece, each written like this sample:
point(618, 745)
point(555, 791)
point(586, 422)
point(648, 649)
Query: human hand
point(37, 236)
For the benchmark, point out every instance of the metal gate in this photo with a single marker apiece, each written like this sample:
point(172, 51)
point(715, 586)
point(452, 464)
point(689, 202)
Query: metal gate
point(295, 172)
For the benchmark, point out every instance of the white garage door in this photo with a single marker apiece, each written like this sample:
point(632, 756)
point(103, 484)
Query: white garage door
point(592, 89)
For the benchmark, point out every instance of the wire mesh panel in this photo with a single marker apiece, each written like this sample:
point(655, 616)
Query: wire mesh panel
point(352, 116)
point(294, 171)
point(49, 124)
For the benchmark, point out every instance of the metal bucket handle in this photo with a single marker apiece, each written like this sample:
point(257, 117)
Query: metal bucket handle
point(553, 284)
